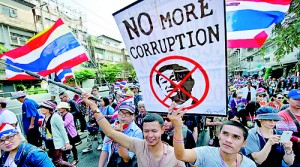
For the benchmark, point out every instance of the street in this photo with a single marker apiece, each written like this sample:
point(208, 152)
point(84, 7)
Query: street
point(87, 159)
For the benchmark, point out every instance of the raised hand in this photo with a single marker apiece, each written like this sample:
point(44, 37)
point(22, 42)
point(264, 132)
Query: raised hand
point(175, 116)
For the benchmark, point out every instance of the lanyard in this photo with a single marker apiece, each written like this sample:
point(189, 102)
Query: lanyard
point(149, 156)
point(223, 163)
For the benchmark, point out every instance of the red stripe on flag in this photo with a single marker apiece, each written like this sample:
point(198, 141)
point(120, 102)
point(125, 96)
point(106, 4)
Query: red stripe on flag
point(67, 64)
point(278, 2)
point(256, 42)
point(34, 44)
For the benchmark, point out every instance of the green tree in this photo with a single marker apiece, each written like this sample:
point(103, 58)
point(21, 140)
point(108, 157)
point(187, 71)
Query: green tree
point(127, 67)
point(2, 49)
point(287, 33)
point(268, 73)
point(110, 71)
point(83, 75)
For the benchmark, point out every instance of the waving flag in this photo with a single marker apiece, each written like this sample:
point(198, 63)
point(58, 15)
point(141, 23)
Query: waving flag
point(120, 84)
point(250, 22)
point(64, 74)
point(50, 51)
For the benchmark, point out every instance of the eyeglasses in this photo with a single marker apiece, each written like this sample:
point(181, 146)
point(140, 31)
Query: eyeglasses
point(279, 97)
point(7, 138)
point(167, 119)
point(124, 114)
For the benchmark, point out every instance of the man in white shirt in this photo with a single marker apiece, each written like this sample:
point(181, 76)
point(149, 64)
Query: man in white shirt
point(9, 117)
point(249, 92)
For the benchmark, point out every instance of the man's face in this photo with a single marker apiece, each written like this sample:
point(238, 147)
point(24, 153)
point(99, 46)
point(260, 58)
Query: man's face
point(63, 98)
point(166, 85)
point(61, 110)
point(231, 139)
point(152, 132)
point(125, 116)
point(21, 99)
point(11, 142)
point(294, 103)
point(95, 92)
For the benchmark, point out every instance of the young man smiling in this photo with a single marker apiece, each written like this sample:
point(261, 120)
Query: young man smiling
point(231, 139)
point(151, 151)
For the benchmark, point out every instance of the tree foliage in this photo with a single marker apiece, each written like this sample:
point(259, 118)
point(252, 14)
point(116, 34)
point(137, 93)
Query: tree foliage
point(110, 71)
point(84, 75)
point(287, 33)
point(127, 67)
point(268, 73)
point(2, 49)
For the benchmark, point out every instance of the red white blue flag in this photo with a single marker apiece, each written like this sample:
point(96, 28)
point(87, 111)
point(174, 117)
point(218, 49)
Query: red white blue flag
point(50, 51)
point(120, 84)
point(64, 74)
point(250, 22)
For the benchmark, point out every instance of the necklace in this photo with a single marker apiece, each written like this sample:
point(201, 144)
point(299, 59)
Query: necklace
point(165, 151)
point(223, 163)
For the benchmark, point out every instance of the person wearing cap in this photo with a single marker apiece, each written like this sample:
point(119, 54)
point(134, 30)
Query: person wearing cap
point(30, 118)
point(74, 110)
point(238, 102)
point(149, 152)
point(6, 116)
point(290, 121)
point(112, 152)
point(64, 108)
point(232, 138)
point(54, 134)
point(261, 98)
point(263, 141)
point(19, 153)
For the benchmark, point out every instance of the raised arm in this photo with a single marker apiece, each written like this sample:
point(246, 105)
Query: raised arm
point(119, 137)
point(186, 155)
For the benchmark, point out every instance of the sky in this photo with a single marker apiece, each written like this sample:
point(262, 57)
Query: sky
point(99, 15)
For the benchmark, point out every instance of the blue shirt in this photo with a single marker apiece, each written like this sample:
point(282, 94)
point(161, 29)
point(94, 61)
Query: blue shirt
point(29, 109)
point(133, 131)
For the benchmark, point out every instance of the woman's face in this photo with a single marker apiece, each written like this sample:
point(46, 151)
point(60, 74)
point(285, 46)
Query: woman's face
point(279, 98)
point(44, 111)
point(10, 142)
point(102, 103)
point(270, 124)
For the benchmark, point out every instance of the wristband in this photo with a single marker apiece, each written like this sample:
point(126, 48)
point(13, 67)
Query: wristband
point(178, 141)
point(99, 119)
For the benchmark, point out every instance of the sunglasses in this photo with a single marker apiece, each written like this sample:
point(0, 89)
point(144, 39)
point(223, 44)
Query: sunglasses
point(167, 119)
point(262, 95)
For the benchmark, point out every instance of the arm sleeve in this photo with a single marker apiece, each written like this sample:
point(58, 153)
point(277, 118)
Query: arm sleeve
point(39, 158)
point(59, 123)
point(252, 144)
point(31, 110)
point(68, 119)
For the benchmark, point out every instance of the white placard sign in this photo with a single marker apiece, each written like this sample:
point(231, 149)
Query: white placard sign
point(178, 50)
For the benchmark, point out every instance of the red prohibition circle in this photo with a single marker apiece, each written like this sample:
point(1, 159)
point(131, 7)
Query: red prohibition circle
point(197, 66)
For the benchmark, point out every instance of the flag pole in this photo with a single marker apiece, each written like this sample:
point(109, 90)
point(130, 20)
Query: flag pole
point(48, 80)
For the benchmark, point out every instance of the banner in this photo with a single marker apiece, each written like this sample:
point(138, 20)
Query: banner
point(178, 50)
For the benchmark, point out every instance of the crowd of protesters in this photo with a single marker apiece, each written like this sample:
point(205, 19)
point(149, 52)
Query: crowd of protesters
point(127, 135)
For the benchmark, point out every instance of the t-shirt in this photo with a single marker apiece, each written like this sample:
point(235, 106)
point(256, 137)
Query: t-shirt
point(10, 163)
point(140, 148)
point(29, 109)
point(210, 156)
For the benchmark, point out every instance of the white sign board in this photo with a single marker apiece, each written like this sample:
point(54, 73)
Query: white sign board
point(178, 50)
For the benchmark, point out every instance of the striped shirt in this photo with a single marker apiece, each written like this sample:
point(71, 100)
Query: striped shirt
point(287, 123)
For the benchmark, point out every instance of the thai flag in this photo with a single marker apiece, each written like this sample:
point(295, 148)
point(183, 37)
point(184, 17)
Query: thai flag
point(50, 51)
point(250, 22)
point(64, 74)
point(120, 84)
point(41, 119)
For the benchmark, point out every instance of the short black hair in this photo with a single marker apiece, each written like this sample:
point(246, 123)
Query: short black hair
point(106, 101)
point(3, 105)
point(238, 125)
point(95, 87)
point(152, 117)
point(63, 93)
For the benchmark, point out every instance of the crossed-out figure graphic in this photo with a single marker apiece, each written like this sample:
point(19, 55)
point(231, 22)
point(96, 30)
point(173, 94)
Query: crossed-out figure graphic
point(176, 74)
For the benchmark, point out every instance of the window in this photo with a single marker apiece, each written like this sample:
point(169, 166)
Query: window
point(7, 11)
point(18, 39)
